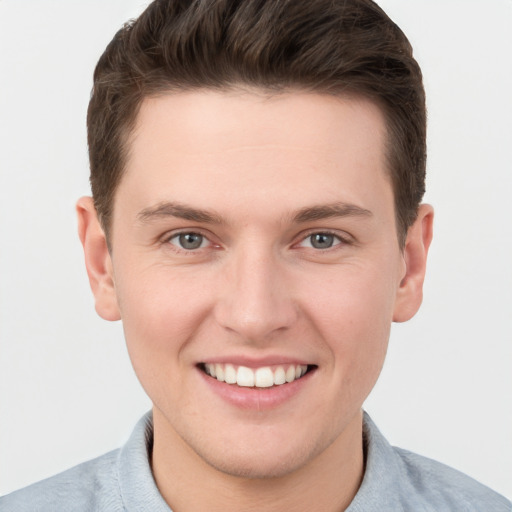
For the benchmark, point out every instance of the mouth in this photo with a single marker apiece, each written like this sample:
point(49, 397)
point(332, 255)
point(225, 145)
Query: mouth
point(262, 377)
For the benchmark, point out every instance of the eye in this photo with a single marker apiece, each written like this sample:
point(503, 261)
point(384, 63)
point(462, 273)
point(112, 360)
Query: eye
point(189, 241)
point(321, 241)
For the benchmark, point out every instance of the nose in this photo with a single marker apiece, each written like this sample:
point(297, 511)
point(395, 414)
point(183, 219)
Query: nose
point(255, 301)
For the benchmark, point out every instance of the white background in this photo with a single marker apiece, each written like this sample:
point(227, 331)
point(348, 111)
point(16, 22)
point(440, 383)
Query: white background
point(67, 390)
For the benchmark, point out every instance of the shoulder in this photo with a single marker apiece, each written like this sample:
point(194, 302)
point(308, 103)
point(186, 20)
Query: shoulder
point(445, 488)
point(401, 481)
point(117, 481)
point(92, 485)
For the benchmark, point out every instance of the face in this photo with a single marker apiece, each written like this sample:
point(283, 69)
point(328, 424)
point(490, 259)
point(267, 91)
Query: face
point(256, 268)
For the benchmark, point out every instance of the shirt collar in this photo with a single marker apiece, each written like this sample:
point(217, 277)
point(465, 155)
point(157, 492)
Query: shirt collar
point(382, 475)
point(137, 485)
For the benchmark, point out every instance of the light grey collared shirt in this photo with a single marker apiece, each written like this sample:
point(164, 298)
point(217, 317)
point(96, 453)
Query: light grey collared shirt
point(395, 480)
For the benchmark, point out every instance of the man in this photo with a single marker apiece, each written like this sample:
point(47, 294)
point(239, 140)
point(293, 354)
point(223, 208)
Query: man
point(257, 171)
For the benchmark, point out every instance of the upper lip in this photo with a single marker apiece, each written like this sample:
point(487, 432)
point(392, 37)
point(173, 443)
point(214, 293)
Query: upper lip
point(251, 362)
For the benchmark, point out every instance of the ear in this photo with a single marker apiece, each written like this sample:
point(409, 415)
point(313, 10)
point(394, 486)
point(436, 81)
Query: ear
point(97, 260)
point(410, 293)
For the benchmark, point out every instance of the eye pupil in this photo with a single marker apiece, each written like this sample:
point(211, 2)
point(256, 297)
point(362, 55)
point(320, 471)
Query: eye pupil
point(322, 240)
point(191, 240)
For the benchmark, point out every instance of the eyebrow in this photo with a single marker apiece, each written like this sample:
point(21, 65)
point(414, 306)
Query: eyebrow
point(310, 213)
point(180, 211)
point(326, 211)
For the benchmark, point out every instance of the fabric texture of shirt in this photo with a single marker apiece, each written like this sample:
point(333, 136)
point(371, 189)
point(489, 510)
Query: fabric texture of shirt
point(395, 480)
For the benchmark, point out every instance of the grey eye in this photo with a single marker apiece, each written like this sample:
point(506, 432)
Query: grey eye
point(190, 241)
point(322, 240)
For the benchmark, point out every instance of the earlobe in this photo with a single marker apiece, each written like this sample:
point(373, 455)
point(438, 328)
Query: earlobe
point(97, 260)
point(410, 292)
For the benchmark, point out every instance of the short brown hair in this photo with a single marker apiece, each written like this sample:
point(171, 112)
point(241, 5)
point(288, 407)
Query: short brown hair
point(335, 47)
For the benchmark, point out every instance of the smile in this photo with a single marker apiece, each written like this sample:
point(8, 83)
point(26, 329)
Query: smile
point(263, 377)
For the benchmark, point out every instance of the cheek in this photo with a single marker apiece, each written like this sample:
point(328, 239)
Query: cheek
point(353, 311)
point(160, 310)
point(355, 298)
point(161, 315)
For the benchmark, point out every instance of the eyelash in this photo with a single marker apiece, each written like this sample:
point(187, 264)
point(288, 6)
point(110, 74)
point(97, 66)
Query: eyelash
point(182, 250)
point(339, 241)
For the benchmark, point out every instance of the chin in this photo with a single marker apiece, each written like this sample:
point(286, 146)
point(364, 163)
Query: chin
point(254, 468)
point(262, 460)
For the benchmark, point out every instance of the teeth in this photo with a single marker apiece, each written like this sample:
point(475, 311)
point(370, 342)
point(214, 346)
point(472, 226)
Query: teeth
point(290, 374)
point(244, 377)
point(219, 372)
point(264, 377)
point(230, 374)
point(279, 376)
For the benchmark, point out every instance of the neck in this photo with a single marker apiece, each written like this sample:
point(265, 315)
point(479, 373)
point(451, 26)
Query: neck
point(187, 483)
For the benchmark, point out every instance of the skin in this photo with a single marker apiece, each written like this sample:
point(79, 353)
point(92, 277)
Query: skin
point(256, 177)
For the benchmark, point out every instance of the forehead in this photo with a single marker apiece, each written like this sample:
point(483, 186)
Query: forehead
point(318, 120)
point(202, 145)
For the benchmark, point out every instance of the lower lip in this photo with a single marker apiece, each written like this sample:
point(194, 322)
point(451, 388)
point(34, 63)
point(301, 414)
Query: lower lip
point(256, 398)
